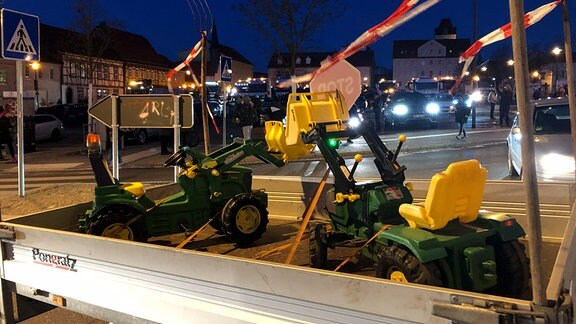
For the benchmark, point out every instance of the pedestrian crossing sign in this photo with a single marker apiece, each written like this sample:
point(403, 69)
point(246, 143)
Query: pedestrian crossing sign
point(225, 69)
point(20, 36)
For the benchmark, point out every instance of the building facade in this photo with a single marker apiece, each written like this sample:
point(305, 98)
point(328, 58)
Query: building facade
point(120, 64)
point(433, 58)
point(308, 62)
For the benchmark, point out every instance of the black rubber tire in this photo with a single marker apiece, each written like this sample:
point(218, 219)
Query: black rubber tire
point(318, 249)
point(216, 222)
point(194, 139)
point(141, 137)
point(55, 135)
point(244, 219)
point(511, 171)
point(513, 270)
point(118, 215)
point(395, 259)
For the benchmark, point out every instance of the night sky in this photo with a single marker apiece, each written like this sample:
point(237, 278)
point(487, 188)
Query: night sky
point(172, 26)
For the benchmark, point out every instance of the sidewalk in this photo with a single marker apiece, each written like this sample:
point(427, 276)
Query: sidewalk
point(69, 156)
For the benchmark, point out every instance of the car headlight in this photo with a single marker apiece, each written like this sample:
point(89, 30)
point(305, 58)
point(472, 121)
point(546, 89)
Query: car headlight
point(455, 101)
point(400, 110)
point(556, 164)
point(432, 108)
point(354, 122)
point(476, 96)
point(469, 102)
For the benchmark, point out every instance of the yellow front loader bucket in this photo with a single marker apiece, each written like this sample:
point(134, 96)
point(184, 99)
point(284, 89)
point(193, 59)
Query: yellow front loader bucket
point(304, 112)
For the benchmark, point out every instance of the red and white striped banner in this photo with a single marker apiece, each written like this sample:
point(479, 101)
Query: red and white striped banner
point(499, 34)
point(192, 55)
point(401, 15)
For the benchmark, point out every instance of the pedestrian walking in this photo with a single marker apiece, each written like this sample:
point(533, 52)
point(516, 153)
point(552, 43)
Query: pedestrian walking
point(246, 116)
point(493, 100)
point(461, 117)
point(505, 102)
point(6, 133)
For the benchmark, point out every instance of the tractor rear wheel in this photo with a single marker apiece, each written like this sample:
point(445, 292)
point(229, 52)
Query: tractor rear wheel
point(398, 264)
point(244, 219)
point(513, 270)
point(111, 222)
point(318, 247)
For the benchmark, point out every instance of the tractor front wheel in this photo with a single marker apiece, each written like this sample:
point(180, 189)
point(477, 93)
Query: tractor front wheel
point(397, 264)
point(318, 247)
point(244, 219)
point(111, 222)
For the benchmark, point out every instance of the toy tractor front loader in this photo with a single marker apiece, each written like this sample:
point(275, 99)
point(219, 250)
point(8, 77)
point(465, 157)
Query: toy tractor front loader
point(446, 241)
point(213, 188)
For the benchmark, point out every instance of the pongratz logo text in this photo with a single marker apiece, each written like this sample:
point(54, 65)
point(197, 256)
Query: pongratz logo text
point(53, 260)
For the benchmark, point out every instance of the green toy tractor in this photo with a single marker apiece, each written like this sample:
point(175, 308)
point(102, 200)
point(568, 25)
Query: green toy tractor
point(446, 241)
point(214, 188)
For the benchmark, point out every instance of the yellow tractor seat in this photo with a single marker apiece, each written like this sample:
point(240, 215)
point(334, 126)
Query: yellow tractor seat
point(136, 188)
point(454, 193)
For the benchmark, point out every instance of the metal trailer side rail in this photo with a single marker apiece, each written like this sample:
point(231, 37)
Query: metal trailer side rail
point(161, 284)
point(288, 197)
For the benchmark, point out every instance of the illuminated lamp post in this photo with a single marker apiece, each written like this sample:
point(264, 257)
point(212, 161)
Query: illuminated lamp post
point(556, 51)
point(36, 66)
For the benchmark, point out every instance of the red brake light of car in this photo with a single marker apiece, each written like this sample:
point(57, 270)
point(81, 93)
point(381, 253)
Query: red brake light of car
point(93, 143)
point(508, 223)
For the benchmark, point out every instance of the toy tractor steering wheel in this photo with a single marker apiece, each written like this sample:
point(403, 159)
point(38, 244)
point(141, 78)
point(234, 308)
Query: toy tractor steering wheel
point(177, 159)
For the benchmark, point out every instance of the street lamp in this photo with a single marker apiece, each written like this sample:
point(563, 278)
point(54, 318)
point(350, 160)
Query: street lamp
point(556, 51)
point(35, 66)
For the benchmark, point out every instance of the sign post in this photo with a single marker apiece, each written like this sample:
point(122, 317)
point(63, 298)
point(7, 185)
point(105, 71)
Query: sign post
point(143, 111)
point(342, 76)
point(225, 76)
point(20, 42)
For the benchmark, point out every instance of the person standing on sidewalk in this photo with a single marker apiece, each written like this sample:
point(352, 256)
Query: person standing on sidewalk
point(6, 133)
point(505, 102)
point(461, 116)
point(246, 116)
point(493, 100)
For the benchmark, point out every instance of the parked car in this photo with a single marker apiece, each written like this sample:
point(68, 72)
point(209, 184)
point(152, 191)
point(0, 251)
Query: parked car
point(139, 135)
point(76, 115)
point(216, 108)
point(552, 142)
point(406, 107)
point(268, 109)
point(47, 127)
point(58, 110)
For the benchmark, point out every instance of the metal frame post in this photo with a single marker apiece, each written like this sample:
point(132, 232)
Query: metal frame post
point(176, 127)
point(20, 126)
point(519, 49)
point(115, 164)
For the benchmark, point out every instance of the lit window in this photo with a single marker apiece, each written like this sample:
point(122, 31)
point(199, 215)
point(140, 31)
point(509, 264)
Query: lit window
point(2, 77)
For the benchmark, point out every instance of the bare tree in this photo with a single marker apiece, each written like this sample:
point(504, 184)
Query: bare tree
point(95, 32)
point(289, 25)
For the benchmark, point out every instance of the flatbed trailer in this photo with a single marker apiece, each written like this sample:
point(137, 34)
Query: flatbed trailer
point(129, 282)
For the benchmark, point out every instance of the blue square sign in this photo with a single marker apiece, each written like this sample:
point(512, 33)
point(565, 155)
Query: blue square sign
point(20, 36)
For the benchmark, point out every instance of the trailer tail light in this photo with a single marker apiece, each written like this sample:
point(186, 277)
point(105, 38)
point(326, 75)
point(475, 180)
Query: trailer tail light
point(93, 143)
